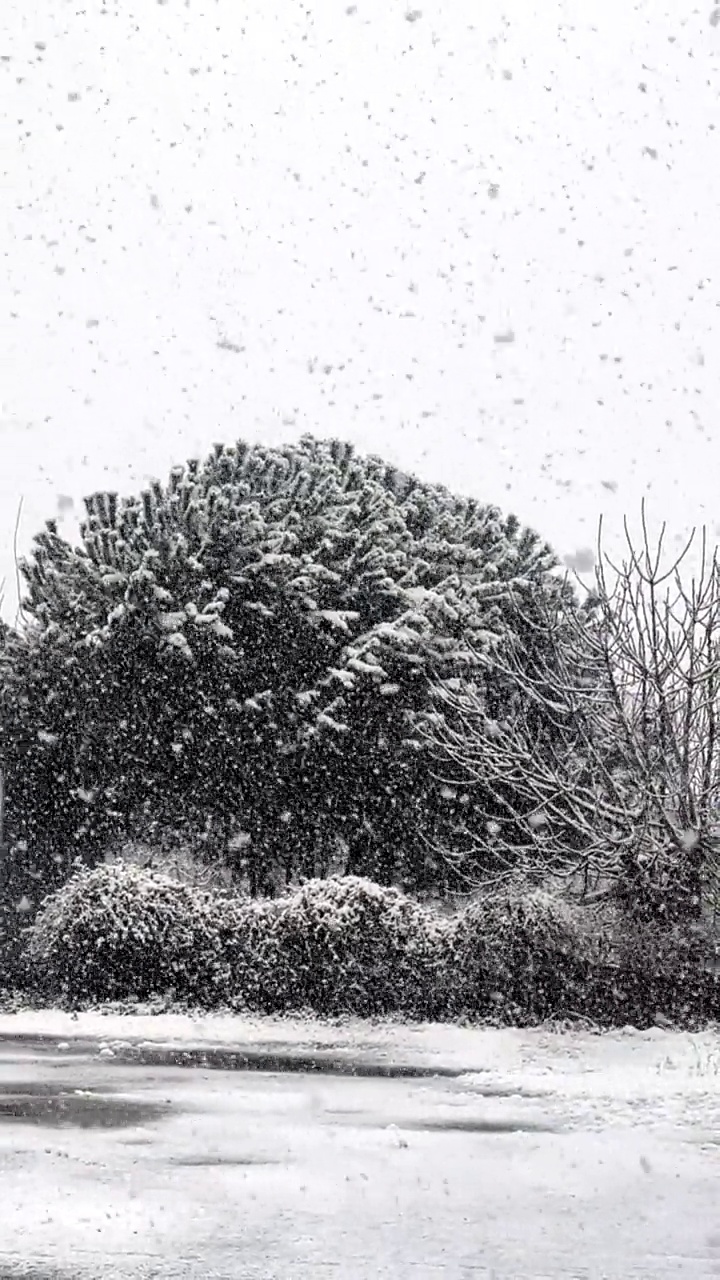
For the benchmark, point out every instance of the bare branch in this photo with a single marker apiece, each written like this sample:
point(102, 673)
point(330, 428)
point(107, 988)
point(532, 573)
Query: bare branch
point(19, 611)
point(608, 757)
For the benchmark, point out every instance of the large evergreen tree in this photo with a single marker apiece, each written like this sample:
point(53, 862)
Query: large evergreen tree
point(252, 647)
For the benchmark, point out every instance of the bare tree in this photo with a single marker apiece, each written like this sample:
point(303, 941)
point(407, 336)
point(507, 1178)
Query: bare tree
point(609, 761)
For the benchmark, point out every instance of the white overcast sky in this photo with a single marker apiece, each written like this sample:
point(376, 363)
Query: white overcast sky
point(481, 239)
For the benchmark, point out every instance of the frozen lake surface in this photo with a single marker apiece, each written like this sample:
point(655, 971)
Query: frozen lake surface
point(291, 1150)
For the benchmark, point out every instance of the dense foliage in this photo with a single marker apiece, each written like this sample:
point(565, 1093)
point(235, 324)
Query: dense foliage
point(247, 655)
point(121, 931)
point(522, 955)
point(348, 946)
point(336, 945)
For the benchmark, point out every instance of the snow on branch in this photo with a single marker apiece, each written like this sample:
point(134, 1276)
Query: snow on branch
point(609, 757)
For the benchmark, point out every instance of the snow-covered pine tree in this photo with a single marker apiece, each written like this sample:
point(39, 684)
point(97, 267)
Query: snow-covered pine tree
point(252, 647)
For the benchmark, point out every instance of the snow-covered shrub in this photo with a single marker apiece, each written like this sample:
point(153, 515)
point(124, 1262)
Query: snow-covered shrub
point(343, 945)
point(519, 954)
point(347, 945)
point(119, 931)
point(659, 970)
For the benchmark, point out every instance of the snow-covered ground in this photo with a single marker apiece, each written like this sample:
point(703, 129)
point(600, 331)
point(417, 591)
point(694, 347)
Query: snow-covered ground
point(548, 1155)
point(621, 1057)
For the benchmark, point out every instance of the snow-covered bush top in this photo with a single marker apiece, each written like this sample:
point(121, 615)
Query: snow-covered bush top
point(339, 901)
point(113, 901)
point(530, 912)
point(346, 944)
point(121, 928)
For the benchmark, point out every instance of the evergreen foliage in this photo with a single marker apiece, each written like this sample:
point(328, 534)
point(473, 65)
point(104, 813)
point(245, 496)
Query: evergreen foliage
point(252, 648)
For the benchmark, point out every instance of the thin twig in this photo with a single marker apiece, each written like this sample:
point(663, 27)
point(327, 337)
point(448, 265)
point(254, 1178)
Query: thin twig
point(19, 610)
